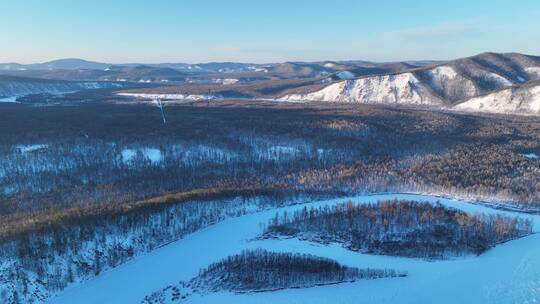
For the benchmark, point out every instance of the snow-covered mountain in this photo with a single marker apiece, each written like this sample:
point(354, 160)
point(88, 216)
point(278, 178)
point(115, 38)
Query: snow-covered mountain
point(17, 86)
point(518, 100)
point(441, 84)
point(444, 84)
point(401, 88)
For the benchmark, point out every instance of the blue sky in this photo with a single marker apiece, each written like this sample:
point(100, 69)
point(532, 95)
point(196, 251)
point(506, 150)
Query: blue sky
point(119, 31)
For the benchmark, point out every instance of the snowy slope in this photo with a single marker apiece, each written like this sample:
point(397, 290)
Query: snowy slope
point(448, 83)
point(445, 84)
point(14, 86)
point(440, 85)
point(522, 100)
point(345, 75)
point(508, 273)
point(534, 72)
point(401, 88)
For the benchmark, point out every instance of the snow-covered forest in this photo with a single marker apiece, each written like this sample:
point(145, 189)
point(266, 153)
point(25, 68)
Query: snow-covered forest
point(118, 183)
point(78, 251)
point(119, 154)
point(262, 271)
point(401, 228)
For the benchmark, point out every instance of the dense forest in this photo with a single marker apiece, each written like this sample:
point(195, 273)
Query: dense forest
point(58, 159)
point(400, 228)
point(260, 270)
point(90, 186)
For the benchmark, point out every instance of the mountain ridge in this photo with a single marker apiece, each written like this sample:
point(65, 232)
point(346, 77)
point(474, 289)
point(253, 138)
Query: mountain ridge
point(445, 84)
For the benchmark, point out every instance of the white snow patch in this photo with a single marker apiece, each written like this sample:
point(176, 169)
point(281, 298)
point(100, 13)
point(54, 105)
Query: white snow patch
point(345, 75)
point(128, 155)
point(30, 148)
point(530, 155)
point(225, 81)
point(443, 72)
point(228, 81)
point(441, 75)
point(499, 79)
point(152, 154)
point(8, 99)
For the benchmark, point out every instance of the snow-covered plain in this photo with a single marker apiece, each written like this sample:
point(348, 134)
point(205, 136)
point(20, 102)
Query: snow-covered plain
point(509, 273)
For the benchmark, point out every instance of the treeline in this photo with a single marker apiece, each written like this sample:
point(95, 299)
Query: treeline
point(400, 228)
point(260, 270)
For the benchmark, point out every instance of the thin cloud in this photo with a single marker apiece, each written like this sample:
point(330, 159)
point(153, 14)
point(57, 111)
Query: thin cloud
point(442, 31)
point(267, 52)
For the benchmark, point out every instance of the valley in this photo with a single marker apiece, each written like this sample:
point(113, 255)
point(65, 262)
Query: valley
point(138, 183)
point(119, 186)
point(270, 152)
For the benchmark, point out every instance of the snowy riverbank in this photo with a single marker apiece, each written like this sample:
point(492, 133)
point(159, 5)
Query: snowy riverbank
point(509, 273)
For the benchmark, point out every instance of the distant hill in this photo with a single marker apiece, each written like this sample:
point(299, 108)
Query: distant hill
point(60, 64)
point(428, 83)
point(444, 84)
point(12, 87)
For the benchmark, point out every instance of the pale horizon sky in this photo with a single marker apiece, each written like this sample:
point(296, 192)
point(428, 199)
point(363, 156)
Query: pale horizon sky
point(158, 31)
